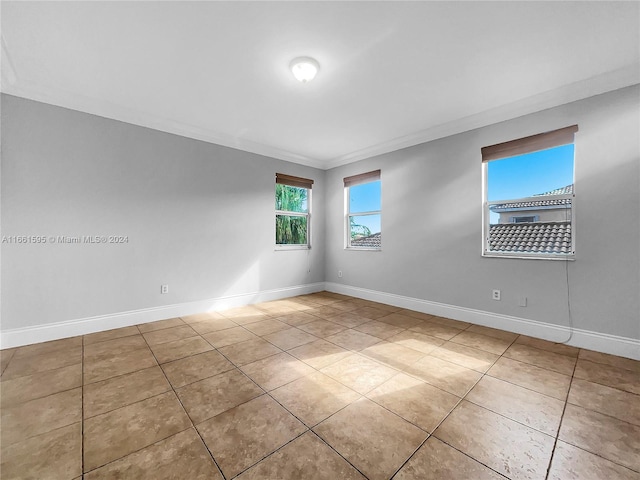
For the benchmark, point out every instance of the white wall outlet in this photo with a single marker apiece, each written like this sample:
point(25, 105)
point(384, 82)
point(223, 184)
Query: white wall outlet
point(495, 295)
point(164, 288)
point(522, 301)
point(339, 273)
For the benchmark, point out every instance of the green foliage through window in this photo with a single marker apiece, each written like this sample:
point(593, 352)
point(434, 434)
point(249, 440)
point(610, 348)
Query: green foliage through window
point(291, 229)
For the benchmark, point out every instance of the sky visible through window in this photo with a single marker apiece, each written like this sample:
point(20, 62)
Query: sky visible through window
point(366, 197)
point(530, 174)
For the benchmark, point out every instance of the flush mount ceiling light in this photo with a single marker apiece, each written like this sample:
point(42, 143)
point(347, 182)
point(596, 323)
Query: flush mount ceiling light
point(304, 68)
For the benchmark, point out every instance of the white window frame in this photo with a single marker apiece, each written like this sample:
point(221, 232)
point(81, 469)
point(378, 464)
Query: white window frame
point(512, 218)
point(348, 214)
point(307, 214)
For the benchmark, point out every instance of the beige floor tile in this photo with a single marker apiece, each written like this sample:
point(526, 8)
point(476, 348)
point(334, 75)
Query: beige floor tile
point(508, 447)
point(400, 320)
point(606, 436)
point(435, 330)
point(249, 351)
point(325, 311)
point(601, 373)
point(612, 360)
point(359, 373)
point(297, 318)
point(314, 398)
point(160, 324)
point(214, 395)
point(97, 369)
point(120, 432)
point(202, 317)
point(319, 354)
point(178, 456)
point(242, 436)
point(265, 327)
point(416, 341)
point(344, 306)
point(482, 342)
point(53, 455)
point(289, 338)
point(571, 463)
point(39, 416)
point(610, 401)
point(414, 400)
point(114, 348)
point(110, 334)
point(493, 332)
point(393, 355)
point(229, 336)
point(517, 403)
point(371, 313)
point(166, 335)
point(30, 387)
point(197, 367)
point(48, 347)
point(28, 365)
point(276, 308)
point(468, 357)
point(5, 357)
point(379, 329)
point(117, 392)
point(445, 375)
point(374, 440)
point(419, 315)
point(436, 460)
point(541, 358)
point(349, 319)
point(353, 340)
point(170, 351)
point(548, 346)
point(276, 370)
point(307, 457)
point(448, 322)
point(534, 378)
point(245, 315)
point(212, 325)
point(322, 328)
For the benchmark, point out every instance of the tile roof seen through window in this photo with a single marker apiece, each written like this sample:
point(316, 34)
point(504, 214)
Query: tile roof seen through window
point(548, 237)
point(568, 190)
point(371, 241)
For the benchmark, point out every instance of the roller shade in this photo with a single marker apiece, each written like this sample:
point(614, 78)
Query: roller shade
point(293, 181)
point(541, 141)
point(362, 178)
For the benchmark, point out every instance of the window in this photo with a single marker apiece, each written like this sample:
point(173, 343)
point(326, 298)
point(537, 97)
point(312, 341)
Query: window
point(293, 211)
point(529, 196)
point(363, 211)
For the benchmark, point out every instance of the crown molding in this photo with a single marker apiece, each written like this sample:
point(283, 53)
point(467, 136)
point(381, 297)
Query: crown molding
point(606, 82)
point(603, 83)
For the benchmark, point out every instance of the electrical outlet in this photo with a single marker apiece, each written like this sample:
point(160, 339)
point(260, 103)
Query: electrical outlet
point(164, 288)
point(339, 273)
point(496, 295)
point(522, 301)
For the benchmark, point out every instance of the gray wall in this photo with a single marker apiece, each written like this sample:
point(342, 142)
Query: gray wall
point(199, 217)
point(431, 223)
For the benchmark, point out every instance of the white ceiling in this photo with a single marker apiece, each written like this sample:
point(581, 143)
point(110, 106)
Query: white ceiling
point(393, 74)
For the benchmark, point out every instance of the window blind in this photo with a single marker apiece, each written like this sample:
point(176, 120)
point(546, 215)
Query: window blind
point(293, 181)
point(541, 141)
point(362, 178)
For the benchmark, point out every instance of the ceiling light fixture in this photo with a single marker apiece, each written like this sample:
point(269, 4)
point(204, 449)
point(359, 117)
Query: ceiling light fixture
point(304, 68)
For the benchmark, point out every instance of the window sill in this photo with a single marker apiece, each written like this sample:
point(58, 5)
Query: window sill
point(564, 258)
point(364, 249)
point(279, 248)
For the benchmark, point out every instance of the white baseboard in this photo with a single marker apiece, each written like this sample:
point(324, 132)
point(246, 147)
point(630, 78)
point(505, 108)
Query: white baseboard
point(600, 342)
point(53, 331)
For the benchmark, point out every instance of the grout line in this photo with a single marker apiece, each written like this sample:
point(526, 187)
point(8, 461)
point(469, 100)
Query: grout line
point(564, 409)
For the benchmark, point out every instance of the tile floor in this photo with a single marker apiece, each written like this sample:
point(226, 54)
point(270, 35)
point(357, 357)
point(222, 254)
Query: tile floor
point(319, 386)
